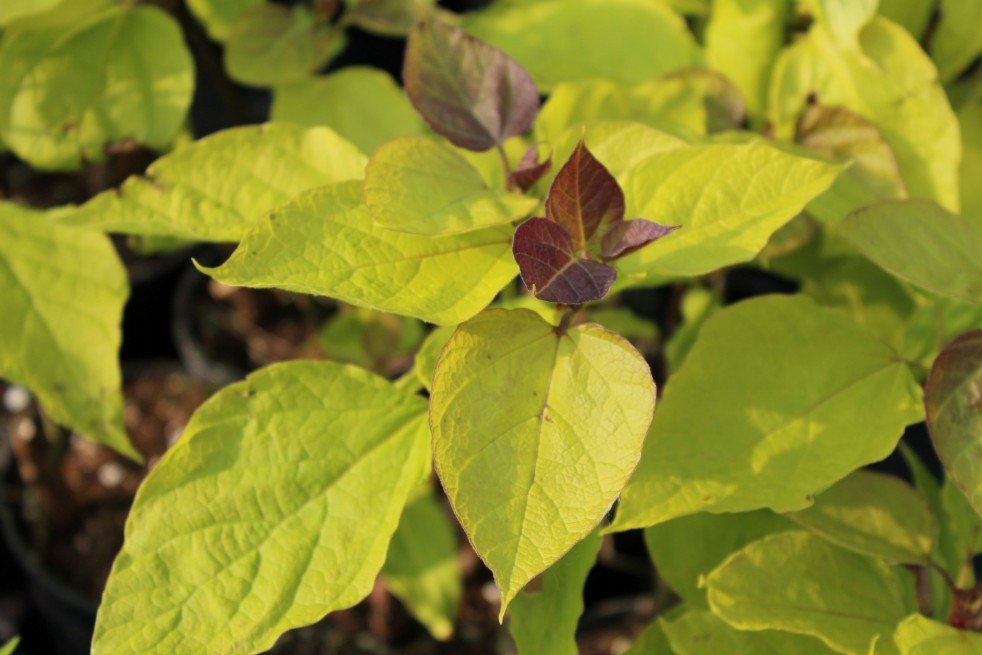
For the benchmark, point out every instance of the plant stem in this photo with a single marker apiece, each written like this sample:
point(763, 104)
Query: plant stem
point(509, 186)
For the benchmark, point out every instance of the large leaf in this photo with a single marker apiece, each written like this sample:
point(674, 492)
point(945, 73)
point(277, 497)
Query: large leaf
point(254, 522)
point(797, 582)
point(728, 199)
point(682, 566)
point(535, 432)
point(63, 293)
point(442, 280)
point(271, 45)
point(957, 39)
point(216, 188)
point(699, 632)
point(953, 400)
point(362, 104)
point(560, 41)
point(743, 40)
point(466, 90)
point(888, 80)
point(874, 514)
point(843, 19)
point(543, 622)
point(788, 436)
point(919, 635)
point(218, 16)
point(421, 186)
point(118, 74)
point(920, 242)
point(422, 567)
point(14, 9)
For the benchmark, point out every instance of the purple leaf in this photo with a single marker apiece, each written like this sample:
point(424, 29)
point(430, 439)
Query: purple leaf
point(553, 270)
point(466, 90)
point(624, 237)
point(584, 197)
point(529, 169)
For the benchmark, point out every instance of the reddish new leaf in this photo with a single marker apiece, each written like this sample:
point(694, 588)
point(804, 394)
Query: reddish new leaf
point(466, 90)
point(530, 170)
point(552, 268)
point(624, 237)
point(584, 198)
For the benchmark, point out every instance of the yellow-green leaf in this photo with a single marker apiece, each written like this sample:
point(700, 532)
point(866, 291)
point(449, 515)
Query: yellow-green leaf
point(535, 432)
point(324, 242)
point(218, 16)
point(797, 582)
point(254, 522)
point(788, 436)
point(216, 188)
point(424, 363)
point(699, 632)
point(421, 186)
point(919, 635)
point(63, 292)
point(957, 39)
point(362, 104)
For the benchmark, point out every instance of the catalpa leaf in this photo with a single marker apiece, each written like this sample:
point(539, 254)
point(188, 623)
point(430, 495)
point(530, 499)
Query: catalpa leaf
point(544, 620)
point(624, 237)
point(700, 632)
point(118, 73)
point(797, 582)
point(442, 280)
point(236, 535)
point(535, 432)
point(953, 401)
point(920, 242)
point(919, 635)
point(874, 514)
point(421, 186)
point(63, 293)
point(465, 89)
point(784, 442)
point(529, 169)
point(216, 188)
point(553, 269)
point(584, 199)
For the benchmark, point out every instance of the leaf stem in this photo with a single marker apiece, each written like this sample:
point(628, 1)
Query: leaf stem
point(509, 185)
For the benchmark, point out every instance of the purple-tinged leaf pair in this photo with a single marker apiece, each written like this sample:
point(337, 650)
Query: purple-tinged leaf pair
point(584, 218)
point(466, 90)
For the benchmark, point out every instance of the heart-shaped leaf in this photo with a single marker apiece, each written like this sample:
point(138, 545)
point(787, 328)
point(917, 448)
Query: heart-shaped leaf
point(584, 198)
point(466, 90)
point(551, 267)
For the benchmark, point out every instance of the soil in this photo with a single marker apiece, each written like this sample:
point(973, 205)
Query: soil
point(74, 503)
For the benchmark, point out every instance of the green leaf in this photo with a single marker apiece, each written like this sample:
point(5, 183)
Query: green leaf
point(558, 40)
point(362, 104)
point(429, 352)
point(12, 10)
point(442, 280)
point(957, 40)
point(914, 15)
point(118, 74)
point(652, 641)
point(421, 186)
point(216, 188)
point(254, 522)
point(9, 647)
point(953, 401)
point(64, 291)
point(964, 528)
point(970, 120)
point(919, 635)
point(272, 45)
point(535, 432)
point(874, 514)
point(799, 583)
point(682, 566)
point(788, 435)
point(386, 17)
point(742, 42)
point(699, 632)
point(889, 81)
point(422, 568)
point(218, 16)
point(728, 199)
point(920, 242)
point(543, 622)
point(697, 305)
point(844, 19)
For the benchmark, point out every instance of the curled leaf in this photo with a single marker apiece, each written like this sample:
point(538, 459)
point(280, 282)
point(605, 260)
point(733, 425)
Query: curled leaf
point(466, 90)
point(530, 170)
point(551, 267)
point(627, 236)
